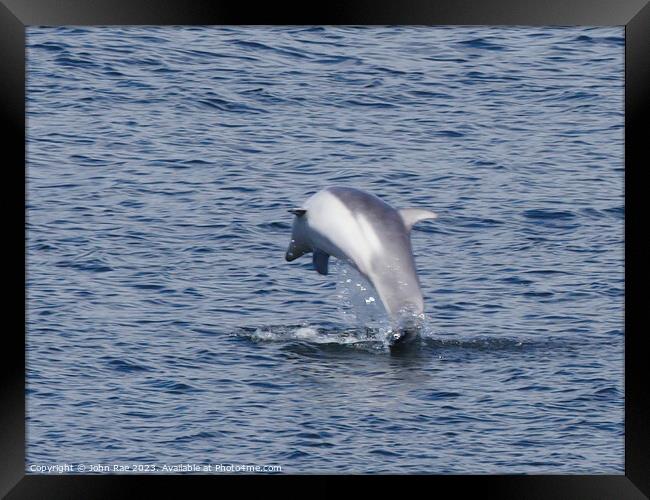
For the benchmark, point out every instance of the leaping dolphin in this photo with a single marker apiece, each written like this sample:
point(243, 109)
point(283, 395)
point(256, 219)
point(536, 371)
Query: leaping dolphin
point(372, 236)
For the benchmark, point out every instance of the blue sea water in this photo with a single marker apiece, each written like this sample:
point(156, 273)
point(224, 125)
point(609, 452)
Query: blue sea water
point(164, 325)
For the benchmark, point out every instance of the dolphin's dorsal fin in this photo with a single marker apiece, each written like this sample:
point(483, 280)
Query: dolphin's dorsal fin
point(298, 211)
point(412, 215)
point(321, 260)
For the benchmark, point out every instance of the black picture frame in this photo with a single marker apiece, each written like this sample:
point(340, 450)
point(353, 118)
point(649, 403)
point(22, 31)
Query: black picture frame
point(15, 15)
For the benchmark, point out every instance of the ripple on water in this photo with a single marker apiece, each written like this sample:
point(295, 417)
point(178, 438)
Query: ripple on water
point(124, 365)
point(171, 386)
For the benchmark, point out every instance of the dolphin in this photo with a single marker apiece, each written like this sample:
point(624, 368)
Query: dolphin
point(373, 237)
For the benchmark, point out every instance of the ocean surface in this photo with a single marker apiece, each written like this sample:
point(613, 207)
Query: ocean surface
point(165, 327)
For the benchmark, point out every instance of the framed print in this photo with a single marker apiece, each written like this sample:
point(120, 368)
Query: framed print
point(358, 242)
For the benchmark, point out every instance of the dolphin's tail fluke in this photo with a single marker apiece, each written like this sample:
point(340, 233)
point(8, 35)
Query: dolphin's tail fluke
point(406, 330)
point(403, 336)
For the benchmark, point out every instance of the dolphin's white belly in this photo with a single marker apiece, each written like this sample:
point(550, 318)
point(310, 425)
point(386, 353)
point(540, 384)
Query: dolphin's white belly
point(338, 232)
point(370, 234)
point(349, 236)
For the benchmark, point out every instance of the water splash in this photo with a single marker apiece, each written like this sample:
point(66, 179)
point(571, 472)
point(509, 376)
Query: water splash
point(361, 338)
point(358, 302)
point(365, 323)
point(360, 307)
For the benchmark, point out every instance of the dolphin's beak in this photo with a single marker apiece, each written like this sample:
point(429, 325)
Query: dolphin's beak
point(291, 254)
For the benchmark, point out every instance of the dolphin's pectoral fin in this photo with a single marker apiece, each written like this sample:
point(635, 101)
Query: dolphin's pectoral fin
point(321, 260)
point(412, 215)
